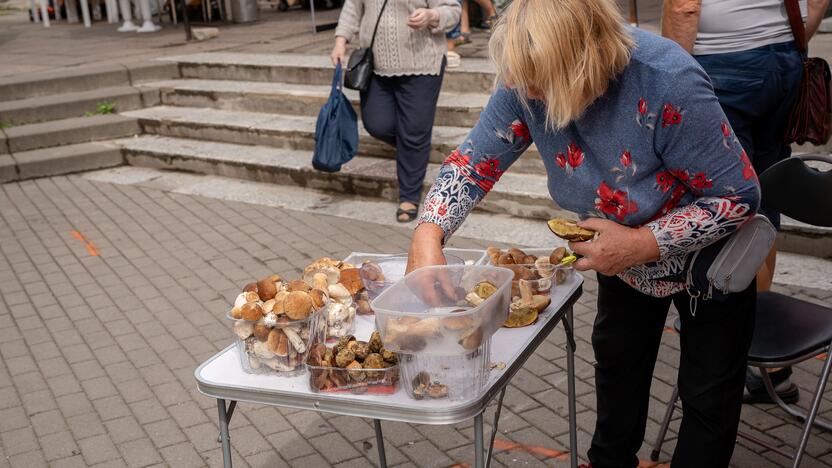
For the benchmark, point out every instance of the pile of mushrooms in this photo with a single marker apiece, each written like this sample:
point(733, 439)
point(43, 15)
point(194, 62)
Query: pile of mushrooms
point(351, 364)
point(342, 283)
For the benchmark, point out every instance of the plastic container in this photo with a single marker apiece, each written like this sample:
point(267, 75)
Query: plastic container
point(413, 318)
point(256, 355)
point(463, 376)
point(563, 274)
point(392, 270)
point(335, 379)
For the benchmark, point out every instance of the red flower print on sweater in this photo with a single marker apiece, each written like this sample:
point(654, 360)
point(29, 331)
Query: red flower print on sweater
point(520, 130)
point(681, 174)
point(489, 173)
point(642, 106)
point(678, 192)
point(747, 169)
point(560, 158)
point(574, 155)
point(671, 115)
point(443, 208)
point(614, 202)
point(626, 159)
point(458, 159)
point(664, 180)
point(700, 182)
point(726, 129)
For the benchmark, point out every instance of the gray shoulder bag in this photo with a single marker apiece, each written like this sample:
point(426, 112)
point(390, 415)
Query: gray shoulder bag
point(730, 264)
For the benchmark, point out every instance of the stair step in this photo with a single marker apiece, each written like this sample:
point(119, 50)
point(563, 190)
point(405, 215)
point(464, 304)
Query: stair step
point(522, 195)
point(59, 160)
point(70, 131)
point(474, 76)
point(83, 78)
point(76, 104)
point(454, 109)
point(293, 132)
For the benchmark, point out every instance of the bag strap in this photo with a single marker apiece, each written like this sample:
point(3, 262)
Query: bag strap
point(796, 23)
point(336, 77)
point(378, 20)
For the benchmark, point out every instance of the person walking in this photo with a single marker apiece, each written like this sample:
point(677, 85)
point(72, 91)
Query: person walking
point(400, 104)
point(747, 49)
point(633, 139)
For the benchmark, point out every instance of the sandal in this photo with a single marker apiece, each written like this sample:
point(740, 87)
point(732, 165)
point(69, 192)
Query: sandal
point(410, 214)
point(464, 38)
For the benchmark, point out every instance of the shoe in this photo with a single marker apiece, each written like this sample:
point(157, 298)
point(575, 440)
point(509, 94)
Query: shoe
point(464, 38)
point(454, 60)
point(406, 216)
point(755, 390)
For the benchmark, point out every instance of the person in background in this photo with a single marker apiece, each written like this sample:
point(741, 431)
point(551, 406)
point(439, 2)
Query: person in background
point(455, 37)
point(400, 104)
point(747, 49)
point(634, 141)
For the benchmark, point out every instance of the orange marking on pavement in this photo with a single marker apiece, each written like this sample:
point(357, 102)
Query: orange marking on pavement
point(821, 356)
point(91, 248)
point(669, 330)
point(501, 444)
point(460, 465)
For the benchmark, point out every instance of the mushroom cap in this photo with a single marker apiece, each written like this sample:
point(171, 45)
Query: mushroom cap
point(266, 289)
point(251, 311)
point(298, 305)
point(569, 230)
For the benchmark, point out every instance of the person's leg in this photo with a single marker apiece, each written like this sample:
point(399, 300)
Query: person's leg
point(715, 343)
point(625, 339)
point(451, 38)
point(464, 24)
point(378, 109)
point(488, 7)
point(416, 97)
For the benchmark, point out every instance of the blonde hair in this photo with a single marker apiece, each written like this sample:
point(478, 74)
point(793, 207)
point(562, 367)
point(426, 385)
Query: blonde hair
point(566, 50)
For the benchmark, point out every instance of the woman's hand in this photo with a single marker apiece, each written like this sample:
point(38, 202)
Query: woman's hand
point(426, 250)
point(339, 51)
point(615, 248)
point(422, 18)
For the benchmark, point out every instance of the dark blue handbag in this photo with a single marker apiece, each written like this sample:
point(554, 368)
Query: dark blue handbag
point(336, 132)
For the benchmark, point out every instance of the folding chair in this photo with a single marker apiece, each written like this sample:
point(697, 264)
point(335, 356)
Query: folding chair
point(787, 330)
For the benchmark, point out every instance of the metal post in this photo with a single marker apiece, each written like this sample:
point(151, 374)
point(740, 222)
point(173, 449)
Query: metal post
point(494, 427)
point(813, 411)
point(312, 10)
point(570, 384)
point(226, 443)
point(382, 454)
point(478, 442)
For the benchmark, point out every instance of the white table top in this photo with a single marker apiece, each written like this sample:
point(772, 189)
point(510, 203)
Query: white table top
point(223, 377)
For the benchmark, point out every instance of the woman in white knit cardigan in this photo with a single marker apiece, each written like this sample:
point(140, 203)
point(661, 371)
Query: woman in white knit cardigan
point(400, 103)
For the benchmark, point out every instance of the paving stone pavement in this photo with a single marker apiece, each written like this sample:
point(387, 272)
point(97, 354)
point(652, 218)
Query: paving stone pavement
point(113, 294)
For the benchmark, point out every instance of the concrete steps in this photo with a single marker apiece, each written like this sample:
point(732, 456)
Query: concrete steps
point(86, 78)
point(75, 104)
point(454, 109)
point(474, 76)
point(292, 132)
point(521, 195)
point(70, 131)
point(59, 160)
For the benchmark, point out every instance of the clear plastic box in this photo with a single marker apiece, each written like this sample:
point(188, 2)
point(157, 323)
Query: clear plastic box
point(335, 379)
point(414, 317)
point(392, 269)
point(258, 357)
point(463, 376)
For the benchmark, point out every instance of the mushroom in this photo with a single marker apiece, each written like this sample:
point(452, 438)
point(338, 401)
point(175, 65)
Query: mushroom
point(243, 329)
point(557, 255)
point(251, 311)
point(278, 342)
point(298, 305)
point(261, 331)
point(295, 339)
point(266, 289)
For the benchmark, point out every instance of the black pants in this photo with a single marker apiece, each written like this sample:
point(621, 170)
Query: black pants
point(399, 111)
point(714, 343)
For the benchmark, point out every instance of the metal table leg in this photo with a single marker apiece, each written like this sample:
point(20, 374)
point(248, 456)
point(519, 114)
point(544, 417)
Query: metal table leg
point(226, 442)
point(382, 454)
point(478, 442)
point(570, 383)
point(494, 427)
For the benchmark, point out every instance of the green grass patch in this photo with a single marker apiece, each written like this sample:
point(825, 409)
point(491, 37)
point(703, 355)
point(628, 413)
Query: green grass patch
point(102, 108)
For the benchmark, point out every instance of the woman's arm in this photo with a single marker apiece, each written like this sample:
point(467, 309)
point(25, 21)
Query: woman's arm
point(449, 14)
point(349, 22)
point(817, 9)
point(680, 21)
point(702, 156)
point(467, 175)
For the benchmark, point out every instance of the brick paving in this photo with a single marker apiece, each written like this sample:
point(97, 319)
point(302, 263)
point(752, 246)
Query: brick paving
point(112, 295)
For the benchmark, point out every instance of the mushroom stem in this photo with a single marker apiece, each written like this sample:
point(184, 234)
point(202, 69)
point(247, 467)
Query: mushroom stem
point(526, 292)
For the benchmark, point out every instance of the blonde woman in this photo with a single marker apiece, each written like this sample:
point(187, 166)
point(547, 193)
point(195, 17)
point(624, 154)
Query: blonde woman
point(400, 104)
point(635, 142)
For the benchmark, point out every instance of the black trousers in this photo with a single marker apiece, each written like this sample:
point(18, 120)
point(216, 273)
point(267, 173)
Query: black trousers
point(714, 344)
point(399, 110)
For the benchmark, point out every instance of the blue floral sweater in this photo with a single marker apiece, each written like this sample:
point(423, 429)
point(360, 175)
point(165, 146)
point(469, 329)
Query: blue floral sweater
point(655, 150)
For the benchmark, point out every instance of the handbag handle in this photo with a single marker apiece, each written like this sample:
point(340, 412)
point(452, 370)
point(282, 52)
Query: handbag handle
point(796, 23)
point(378, 20)
point(337, 82)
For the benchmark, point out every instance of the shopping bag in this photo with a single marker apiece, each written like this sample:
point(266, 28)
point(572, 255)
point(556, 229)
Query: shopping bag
point(336, 131)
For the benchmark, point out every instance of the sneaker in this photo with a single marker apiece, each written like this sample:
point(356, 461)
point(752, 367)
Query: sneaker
point(454, 60)
point(755, 390)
